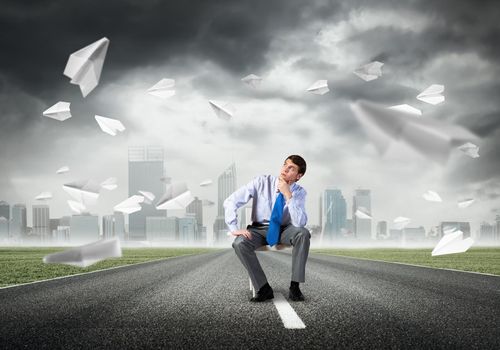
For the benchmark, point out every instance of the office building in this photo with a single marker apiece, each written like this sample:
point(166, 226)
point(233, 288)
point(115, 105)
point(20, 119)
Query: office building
point(41, 223)
point(145, 169)
point(84, 228)
point(335, 214)
point(362, 226)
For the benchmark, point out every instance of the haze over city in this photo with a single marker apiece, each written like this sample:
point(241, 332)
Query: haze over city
point(208, 49)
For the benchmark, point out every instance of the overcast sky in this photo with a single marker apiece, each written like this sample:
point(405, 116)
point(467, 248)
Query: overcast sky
point(207, 47)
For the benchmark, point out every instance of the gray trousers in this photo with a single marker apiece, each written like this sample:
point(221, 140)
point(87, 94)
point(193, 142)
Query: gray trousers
point(298, 237)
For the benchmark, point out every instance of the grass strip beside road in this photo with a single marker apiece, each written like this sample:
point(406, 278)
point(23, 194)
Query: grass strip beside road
point(23, 265)
point(477, 259)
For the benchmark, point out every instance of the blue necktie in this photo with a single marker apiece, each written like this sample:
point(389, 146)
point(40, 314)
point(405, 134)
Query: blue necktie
point(273, 233)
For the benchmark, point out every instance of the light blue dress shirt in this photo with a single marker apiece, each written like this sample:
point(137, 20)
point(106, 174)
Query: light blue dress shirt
point(264, 190)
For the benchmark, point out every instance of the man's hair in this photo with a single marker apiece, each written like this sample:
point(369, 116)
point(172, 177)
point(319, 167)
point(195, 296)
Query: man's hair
point(299, 161)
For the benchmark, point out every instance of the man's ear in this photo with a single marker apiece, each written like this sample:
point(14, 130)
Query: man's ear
point(299, 176)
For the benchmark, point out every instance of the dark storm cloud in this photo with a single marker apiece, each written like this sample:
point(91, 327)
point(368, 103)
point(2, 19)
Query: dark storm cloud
point(142, 33)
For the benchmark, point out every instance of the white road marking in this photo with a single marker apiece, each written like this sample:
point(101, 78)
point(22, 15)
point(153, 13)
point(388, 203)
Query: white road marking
point(288, 315)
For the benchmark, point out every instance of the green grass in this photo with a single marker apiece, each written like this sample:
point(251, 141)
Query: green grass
point(22, 265)
point(485, 260)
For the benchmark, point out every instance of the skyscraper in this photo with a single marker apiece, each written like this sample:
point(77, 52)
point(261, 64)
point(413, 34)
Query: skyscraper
point(335, 214)
point(113, 226)
point(487, 232)
point(41, 222)
point(188, 230)
point(226, 186)
point(382, 230)
point(4, 229)
point(84, 228)
point(4, 220)
point(196, 208)
point(18, 223)
point(362, 226)
point(145, 169)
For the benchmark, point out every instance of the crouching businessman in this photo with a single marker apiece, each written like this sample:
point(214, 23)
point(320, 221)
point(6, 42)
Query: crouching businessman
point(278, 217)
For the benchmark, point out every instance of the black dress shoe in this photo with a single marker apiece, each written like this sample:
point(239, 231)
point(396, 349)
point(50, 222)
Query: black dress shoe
point(295, 294)
point(264, 293)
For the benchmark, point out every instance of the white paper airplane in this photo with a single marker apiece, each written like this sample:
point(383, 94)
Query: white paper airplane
point(320, 87)
point(407, 109)
point(465, 203)
point(88, 254)
point(432, 196)
point(362, 213)
point(207, 203)
point(84, 191)
point(109, 126)
point(432, 95)
point(370, 71)
point(452, 243)
point(252, 80)
point(470, 149)
point(60, 111)
point(401, 222)
point(206, 182)
point(44, 196)
point(109, 184)
point(130, 205)
point(84, 66)
point(148, 196)
point(223, 110)
point(163, 89)
point(177, 196)
point(77, 207)
point(433, 138)
point(62, 170)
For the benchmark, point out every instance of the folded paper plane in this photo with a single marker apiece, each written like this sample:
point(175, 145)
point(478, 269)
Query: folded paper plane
point(109, 126)
point(88, 254)
point(407, 109)
point(362, 213)
point(77, 207)
point(177, 196)
point(370, 71)
point(452, 243)
point(130, 205)
point(84, 66)
point(163, 89)
point(434, 139)
point(109, 184)
point(465, 203)
point(320, 87)
point(62, 170)
point(432, 196)
point(148, 196)
point(223, 110)
point(44, 196)
point(60, 111)
point(252, 80)
point(84, 191)
point(432, 95)
point(206, 182)
point(470, 149)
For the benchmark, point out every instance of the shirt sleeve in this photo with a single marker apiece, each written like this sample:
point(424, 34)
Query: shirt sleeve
point(297, 209)
point(237, 199)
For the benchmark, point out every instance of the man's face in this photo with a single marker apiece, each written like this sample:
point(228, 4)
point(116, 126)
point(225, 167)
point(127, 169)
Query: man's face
point(290, 172)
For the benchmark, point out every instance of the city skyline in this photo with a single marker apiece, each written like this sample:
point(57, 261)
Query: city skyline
point(208, 52)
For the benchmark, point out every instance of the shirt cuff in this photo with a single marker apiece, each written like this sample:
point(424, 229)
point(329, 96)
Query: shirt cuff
point(233, 228)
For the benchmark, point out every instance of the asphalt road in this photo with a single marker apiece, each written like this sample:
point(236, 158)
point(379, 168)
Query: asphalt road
point(202, 301)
